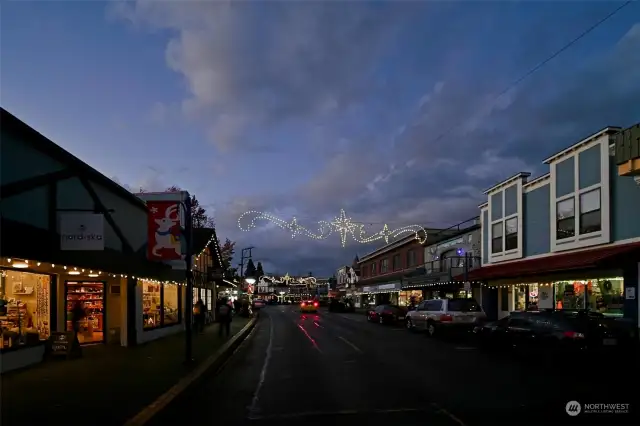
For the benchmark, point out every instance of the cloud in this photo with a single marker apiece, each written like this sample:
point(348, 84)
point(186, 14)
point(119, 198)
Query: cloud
point(397, 105)
point(158, 113)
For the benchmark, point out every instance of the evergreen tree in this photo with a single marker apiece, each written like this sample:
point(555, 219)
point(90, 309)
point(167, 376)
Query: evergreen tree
point(259, 271)
point(251, 269)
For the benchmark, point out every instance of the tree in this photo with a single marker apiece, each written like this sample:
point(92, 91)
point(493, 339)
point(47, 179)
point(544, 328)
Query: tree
point(259, 271)
point(199, 217)
point(251, 269)
point(226, 252)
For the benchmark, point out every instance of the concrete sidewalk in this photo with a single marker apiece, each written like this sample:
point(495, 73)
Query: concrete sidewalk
point(107, 386)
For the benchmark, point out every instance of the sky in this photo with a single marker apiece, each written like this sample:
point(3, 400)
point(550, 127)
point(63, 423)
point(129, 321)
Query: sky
point(400, 113)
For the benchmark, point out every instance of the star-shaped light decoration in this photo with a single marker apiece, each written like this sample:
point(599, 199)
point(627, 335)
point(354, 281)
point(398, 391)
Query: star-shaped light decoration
point(295, 228)
point(286, 279)
point(154, 210)
point(386, 233)
point(343, 225)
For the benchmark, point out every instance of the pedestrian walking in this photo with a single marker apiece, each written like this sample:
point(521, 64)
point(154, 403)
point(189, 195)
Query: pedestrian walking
point(224, 317)
point(78, 313)
point(199, 310)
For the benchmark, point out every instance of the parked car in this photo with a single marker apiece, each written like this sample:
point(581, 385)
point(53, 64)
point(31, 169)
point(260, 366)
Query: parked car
point(556, 330)
point(387, 314)
point(446, 315)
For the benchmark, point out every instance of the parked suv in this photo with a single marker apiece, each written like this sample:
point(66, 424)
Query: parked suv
point(438, 315)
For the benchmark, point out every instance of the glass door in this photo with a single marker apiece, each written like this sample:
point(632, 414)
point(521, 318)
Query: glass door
point(88, 300)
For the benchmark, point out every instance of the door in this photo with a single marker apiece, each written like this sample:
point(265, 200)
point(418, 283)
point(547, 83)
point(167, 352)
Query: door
point(92, 296)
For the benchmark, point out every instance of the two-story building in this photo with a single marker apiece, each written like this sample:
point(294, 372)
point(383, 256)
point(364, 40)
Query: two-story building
point(569, 239)
point(382, 270)
point(449, 253)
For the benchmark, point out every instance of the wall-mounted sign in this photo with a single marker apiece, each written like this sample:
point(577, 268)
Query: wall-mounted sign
point(390, 286)
point(450, 243)
point(630, 293)
point(164, 231)
point(81, 231)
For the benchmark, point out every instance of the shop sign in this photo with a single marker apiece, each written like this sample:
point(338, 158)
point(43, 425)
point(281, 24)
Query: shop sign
point(450, 244)
point(64, 343)
point(630, 293)
point(369, 289)
point(81, 231)
point(164, 231)
point(390, 286)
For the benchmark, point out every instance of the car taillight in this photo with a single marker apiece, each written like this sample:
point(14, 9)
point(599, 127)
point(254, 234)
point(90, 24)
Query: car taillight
point(315, 304)
point(445, 318)
point(302, 304)
point(573, 335)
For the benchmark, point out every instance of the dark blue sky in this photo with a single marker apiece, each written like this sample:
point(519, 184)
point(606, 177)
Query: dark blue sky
point(303, 108)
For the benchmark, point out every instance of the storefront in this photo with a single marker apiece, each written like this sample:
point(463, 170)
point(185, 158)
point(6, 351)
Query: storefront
point(373, 295)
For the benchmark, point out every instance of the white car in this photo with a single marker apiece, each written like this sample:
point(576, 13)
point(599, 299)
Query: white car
point(258, 303)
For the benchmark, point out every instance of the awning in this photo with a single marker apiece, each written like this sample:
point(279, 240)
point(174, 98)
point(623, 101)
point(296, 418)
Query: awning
point(576, 260)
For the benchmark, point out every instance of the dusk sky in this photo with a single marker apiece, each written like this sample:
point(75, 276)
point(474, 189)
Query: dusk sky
point(388, 110)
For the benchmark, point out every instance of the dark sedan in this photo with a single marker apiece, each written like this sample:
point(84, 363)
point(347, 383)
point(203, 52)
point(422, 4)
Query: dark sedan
point(387, 314)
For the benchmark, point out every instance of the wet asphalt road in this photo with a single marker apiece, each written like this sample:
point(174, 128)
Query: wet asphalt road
point(335, 369)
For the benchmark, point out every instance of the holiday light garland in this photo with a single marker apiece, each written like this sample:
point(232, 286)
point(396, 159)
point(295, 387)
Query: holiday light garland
point(342, 224)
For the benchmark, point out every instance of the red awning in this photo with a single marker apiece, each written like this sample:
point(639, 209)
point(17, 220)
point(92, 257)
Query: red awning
point(556, 263)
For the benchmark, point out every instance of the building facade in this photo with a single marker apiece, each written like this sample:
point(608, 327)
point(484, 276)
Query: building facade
point(568, 239)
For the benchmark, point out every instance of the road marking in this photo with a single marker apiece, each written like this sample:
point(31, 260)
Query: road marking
point(263, 372)
point(355, 348)
point(317, 325)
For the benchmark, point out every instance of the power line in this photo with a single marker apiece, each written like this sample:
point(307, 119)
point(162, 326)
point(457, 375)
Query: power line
point(544, 62)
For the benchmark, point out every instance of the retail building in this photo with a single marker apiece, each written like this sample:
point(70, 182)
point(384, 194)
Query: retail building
point(569, 239)
point(71, 236)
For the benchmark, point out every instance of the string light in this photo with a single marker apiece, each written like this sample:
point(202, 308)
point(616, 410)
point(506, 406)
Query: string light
point(72, 270)
point(341, 224)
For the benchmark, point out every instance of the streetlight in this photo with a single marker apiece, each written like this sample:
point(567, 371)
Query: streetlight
point(250, 280)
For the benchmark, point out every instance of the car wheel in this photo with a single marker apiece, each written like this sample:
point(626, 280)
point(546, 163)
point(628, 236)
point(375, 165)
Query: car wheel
point(368, 317)
point(409, 325)
point(431, 329)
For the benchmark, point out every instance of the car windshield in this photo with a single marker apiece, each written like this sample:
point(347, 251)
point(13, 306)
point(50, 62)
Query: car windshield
point(464, 305)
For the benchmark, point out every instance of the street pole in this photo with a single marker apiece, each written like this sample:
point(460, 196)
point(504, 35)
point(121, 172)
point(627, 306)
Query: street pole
point(188, 315)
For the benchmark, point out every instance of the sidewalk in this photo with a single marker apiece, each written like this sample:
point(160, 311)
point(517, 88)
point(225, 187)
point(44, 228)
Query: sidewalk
point(107, 386)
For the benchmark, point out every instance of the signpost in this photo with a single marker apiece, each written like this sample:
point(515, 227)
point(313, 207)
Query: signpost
point(64, 344)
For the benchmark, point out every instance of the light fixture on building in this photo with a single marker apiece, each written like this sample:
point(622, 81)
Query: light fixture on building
point(74, 272)
point(20, 264)
point(93, 275)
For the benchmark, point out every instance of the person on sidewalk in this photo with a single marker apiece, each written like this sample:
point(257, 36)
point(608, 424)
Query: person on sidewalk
point(224, 317)
point(198, 315)
point(78, 313)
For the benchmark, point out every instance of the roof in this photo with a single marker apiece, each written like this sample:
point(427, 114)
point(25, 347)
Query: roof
point(575, 260)
point(609, 130)
point(12, 124)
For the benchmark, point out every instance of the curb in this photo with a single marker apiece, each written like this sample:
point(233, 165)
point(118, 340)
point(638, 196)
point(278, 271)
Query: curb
point(215, 361)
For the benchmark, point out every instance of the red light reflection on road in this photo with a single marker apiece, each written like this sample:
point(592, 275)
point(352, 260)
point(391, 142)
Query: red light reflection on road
point(311, 339)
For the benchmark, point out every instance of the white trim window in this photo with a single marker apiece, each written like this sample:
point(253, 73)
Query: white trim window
point(496, 237)
point(511, 234)
point(581, 218)
point(590, 212)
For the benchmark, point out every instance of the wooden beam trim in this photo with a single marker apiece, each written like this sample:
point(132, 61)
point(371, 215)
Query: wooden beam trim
point(24, 185)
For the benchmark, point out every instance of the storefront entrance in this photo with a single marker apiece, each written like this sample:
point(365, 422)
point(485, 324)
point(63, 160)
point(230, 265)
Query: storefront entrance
point(91, 294)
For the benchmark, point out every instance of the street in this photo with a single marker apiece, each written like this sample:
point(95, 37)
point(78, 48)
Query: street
point(332, 368)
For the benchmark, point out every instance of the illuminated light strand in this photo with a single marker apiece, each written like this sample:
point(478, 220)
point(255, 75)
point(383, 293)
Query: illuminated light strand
point(341, 224)
point(266, 280)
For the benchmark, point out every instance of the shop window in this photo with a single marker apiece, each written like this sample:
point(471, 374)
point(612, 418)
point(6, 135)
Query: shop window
point(410, 298)
point(496, 238)
point(601, 295)
point(160, 304)
point(151, 305)
point(373, 269)
point(590, 217)
point(565, 219)
point(511, 234)
point(24, 308)
point(209, 299)
point(396, 262)
point(411, 258)
point(170, 304)
point(384, 266)
point(88, 296)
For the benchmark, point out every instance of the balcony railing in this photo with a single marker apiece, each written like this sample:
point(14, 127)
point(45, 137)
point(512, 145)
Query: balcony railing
point(454, 265)
point(628, 151)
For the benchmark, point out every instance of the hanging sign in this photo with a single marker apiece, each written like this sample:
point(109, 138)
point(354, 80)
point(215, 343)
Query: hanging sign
point(81, 231)
point(164, 231)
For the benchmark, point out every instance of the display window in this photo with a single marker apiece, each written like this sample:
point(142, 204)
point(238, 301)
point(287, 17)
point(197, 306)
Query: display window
point(24, 308)
point(86, 301)
point(209, 299)
point(410, 298)
point(170, 304)
point(604, 295)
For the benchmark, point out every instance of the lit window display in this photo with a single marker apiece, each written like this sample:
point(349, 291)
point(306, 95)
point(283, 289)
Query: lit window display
point(24, 308)
point(151, 305)
point(160, 303)
point(410, 298)
point(526, 297)
point(604, 295)
point(209, 299)
point(170, 303)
